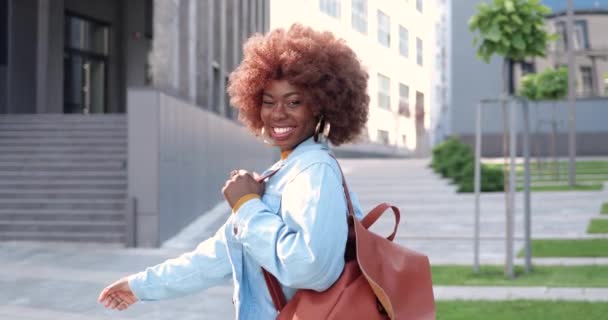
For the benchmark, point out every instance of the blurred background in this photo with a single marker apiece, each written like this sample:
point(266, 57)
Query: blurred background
point(116, 129)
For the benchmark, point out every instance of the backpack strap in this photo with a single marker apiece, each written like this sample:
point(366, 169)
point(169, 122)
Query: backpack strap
point(274, 287)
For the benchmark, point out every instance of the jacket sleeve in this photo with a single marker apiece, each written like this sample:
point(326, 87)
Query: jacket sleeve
point(207, 266)
point(304, 246)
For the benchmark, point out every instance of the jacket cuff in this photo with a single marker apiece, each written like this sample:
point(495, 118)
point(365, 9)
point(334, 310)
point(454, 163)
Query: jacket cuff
point(244, 199)
point(136, 284)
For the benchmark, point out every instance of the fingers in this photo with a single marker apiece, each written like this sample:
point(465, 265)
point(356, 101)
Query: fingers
point(117, 295)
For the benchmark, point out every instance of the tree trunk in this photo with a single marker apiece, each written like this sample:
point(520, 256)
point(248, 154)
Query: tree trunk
point(507, 83)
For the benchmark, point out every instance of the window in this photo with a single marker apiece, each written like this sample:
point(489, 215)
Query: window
point(383, 136)
point(419, 51)
point(3, 32)
point(581, 40)
point(403, 41)
point(330, 7)
point(359, 15)
point(384, 92)
point(419, 5)
point(581, 36)
point(587, 81)
point(403, 140)
point(404, 100)
point(384, 29)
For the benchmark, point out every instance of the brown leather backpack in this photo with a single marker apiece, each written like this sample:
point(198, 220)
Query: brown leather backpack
point(381, 280)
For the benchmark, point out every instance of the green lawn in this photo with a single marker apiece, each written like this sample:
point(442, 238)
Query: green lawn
point(520, 309)
point(578, 187)
point(590, 176)
point(550, 276)
point(569, 248)
point(604, 208)
point(598, 226)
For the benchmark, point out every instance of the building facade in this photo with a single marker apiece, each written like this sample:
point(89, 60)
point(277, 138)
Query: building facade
point(114, 122)
point(395, 41)
point(471, 80)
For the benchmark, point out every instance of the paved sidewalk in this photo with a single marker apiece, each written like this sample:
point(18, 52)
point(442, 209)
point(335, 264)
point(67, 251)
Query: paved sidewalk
point(44, 281)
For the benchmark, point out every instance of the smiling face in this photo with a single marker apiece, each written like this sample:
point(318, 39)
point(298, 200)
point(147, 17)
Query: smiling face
point(286, 115)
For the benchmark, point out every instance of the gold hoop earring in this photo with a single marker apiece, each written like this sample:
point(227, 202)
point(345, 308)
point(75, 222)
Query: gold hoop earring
point(265, 137)
point(324, 133)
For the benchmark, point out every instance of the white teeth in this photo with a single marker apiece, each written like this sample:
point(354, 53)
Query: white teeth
point(282, 130)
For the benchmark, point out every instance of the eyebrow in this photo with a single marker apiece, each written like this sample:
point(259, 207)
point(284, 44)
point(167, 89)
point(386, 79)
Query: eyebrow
point(284, 96)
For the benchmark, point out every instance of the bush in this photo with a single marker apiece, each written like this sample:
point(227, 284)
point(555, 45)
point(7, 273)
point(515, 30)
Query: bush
point(455, 160)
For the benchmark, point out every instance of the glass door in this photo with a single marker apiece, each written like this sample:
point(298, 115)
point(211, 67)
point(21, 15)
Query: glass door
point(85, 65)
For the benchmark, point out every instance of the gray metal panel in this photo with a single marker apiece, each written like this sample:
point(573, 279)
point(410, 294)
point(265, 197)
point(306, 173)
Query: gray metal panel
point(195, 151)
point(143, 163)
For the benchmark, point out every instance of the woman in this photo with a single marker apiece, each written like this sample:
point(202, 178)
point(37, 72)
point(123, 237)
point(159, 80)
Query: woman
point(298, 89)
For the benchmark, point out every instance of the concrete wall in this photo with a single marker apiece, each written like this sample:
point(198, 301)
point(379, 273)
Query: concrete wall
point(471, 79)
point(22, 57)
point(136, 43)
point(591, 128)
point(179, 157)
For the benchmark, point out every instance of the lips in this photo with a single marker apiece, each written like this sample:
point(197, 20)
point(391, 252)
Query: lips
point(280, 133)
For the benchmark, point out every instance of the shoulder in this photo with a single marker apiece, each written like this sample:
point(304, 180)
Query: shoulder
point(313, 162)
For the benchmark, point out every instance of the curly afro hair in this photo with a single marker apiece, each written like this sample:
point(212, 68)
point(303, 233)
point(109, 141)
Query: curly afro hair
point(324, 67)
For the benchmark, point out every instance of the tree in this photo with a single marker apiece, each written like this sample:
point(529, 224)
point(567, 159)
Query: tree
point(515, 30)
point(552, 85)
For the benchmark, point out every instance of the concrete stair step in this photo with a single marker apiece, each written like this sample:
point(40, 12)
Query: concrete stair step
point(63, 204)
point(62, 186)
point(64, 116)
point(66, 176)
point(41, 159)
point(64, 149)
point(60, 142)
point(96, 237)
point(115, 166)
point(64, 195)
point(62, 158)
point(61, 215)
point(62, 226)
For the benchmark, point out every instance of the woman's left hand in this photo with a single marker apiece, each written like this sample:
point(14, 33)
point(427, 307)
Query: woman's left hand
point(241, 183)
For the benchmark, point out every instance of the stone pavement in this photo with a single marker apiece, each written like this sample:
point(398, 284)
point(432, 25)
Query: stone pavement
point(61, 281)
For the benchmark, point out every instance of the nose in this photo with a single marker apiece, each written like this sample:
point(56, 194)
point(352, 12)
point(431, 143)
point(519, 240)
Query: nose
point(278, 112)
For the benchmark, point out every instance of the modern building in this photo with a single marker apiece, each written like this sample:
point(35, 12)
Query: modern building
point(471, 80)
point(396, 42)
point(114, 125)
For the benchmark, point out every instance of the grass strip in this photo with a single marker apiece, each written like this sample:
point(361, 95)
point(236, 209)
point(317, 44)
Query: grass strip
point(587, 248)
point(549, 276)
point(578, 187)
point(604, 209)
point(598, 226)
point(521, 309)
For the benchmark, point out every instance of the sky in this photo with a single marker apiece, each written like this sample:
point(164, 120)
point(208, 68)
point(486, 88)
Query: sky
point(560, 5)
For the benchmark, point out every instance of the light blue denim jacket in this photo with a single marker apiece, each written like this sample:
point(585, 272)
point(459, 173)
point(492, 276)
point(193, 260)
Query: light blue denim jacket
point(297, 231)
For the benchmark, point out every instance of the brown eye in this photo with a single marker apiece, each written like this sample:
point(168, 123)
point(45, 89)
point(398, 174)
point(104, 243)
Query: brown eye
point(294, 103)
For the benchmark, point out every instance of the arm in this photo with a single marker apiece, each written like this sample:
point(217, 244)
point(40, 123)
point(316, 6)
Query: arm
point(208, 265)
point(305, 249)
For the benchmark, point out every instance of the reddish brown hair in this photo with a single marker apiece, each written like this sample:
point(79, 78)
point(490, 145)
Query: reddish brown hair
point(324, 67)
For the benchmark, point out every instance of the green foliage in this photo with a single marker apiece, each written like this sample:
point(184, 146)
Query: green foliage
point(551, 84)
point(604, 209)
point(514, 29)
point(455, 160)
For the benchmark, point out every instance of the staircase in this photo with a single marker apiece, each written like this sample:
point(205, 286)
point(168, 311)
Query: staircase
point(63, 178)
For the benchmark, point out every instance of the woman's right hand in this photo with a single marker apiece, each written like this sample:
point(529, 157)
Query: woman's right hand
point(118, 295)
